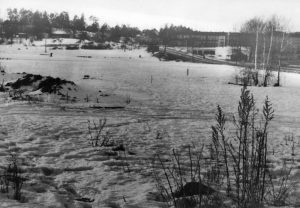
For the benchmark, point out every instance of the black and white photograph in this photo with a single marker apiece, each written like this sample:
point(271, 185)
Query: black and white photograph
point(149, 104)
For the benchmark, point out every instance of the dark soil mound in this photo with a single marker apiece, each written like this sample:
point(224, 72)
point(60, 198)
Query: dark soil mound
point(27, 80)
point(45, 84)
point(51, 84)
point(193, 188)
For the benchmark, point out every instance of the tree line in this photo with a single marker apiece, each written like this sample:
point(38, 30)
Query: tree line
point(37, 24)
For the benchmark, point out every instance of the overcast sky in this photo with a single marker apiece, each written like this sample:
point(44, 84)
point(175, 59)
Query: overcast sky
point(205, 15)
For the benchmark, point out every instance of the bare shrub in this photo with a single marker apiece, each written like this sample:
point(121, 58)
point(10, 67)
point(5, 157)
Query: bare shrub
point(237, 164)
point(246, 151)
point(4, 182)
point(267, 76)
point(183, 183)
point(98, 136)
point(147, 127)
point(112, 143)
point(290, 140)
point(250, 76)
point(87, 98)
point(12, 177)
point(2, 68)
point(17, 94)
point(281, 186)
point(2, 87)
point(160, 134)
point(247, 76)
point(128, 99)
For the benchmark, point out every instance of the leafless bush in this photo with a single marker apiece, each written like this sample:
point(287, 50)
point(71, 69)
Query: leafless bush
point(268, 76)
point(4, 182)
point(2, 87)
point(247, 76)
point(183, 183)
point(33, 99)
point(290, 139)
point(246, 151)
point(147, 127)
point(281, 186)
point(2, 68)
point(239, 161)
point(12, 177)
point(98, 136)
point(125, 166)
point(128, 99)
point(17, 94)
point(160, 134)
point(113, 144)
point(87, 98)
point(237, 164)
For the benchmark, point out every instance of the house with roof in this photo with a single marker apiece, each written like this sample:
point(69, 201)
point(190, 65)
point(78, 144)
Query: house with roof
point(61, 33)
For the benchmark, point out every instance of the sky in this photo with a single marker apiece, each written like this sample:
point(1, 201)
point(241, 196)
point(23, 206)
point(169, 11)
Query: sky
point(203, 15)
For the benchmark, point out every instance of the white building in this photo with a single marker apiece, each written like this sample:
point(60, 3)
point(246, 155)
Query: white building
point(222, 53)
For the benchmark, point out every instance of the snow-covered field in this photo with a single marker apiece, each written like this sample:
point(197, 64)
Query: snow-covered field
point(53, 141)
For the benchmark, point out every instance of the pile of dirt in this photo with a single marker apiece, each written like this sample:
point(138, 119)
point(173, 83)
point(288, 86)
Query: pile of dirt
point(37, 82)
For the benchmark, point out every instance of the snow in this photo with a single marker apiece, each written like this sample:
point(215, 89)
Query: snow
point(52, 137)
point(57, 41)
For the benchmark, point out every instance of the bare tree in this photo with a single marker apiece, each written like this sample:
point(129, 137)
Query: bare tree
point(255, 25)
point(268, 46)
